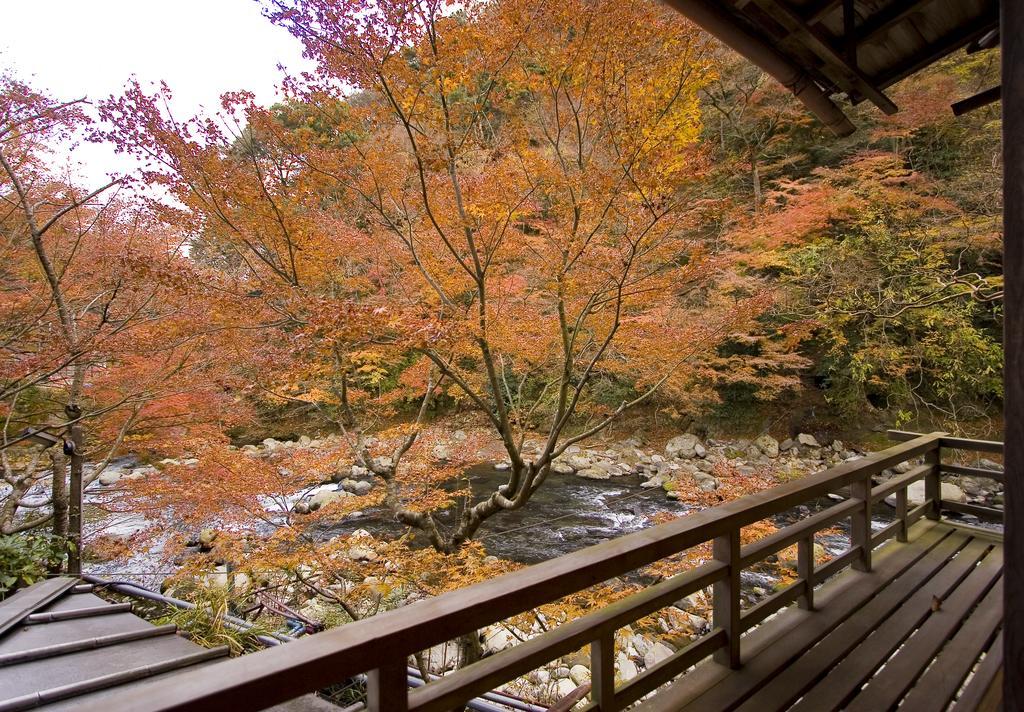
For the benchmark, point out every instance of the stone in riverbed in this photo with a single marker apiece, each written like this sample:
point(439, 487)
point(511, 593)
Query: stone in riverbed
point(807, 440)
point(684, 446)
point(356, 487)
point(594, 473)
point(579, 674)
point(656, 653)
point(561, 468)
point(325, 497)
point(915, 494)
point(767, 445)
point(625, 668)
point(502, 466)
point(786, 445)
point(110, 477)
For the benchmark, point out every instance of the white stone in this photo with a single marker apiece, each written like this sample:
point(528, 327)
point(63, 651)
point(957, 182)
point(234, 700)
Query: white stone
point(579, 674)
point(682, 446)
point(916, 496)
point(807, 440)
point(110, 477)
point(657, 652)
point(767, 445)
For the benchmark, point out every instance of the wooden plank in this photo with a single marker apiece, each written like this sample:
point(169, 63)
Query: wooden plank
point(783, 688)
point(899, 482)
point(815, 41)
point(887, 532)
point(860, 524)
point(602, 672)
point(23, 603)
point(759, 550)
point(889, 685)
point(669, 668)
point(836, 565)
point(1012, 59)
point(951, 442)
point(938, 686)
point(726, 601)
point(776, 602)
point(997, 475)
point(771, 647)
point(986, 677)
point(494, 670)
point(845, 678)
point(990, 513)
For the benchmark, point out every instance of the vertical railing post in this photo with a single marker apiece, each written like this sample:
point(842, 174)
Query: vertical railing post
point(726, 611)
point(901, 513)
point(933, 482)
point(860, 522)
point(805, 570)
point(387, 688)
point(602, 672)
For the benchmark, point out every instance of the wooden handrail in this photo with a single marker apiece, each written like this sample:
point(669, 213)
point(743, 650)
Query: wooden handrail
point(381, 645)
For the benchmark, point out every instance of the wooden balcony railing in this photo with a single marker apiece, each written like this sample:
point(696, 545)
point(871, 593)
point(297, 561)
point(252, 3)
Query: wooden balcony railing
point(380, 646)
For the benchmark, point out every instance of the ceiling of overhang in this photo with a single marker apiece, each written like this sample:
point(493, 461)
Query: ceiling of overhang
point(857, 48)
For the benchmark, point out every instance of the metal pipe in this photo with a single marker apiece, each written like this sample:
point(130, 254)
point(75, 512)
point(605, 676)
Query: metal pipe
point(710, 16)
point(479, 704)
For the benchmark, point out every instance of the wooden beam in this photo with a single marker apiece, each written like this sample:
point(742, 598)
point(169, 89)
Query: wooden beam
point(937, 50)
point(815, 12)
point(1012, 33)
point(983, 98)
point(878, 24)
point(849, 77)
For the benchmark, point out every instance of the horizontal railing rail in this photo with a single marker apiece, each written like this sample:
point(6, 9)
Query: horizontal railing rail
point(949, 468)
point(381, 645)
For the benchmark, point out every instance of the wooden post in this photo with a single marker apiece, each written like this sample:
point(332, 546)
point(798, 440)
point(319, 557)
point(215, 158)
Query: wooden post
point(602, 673)
point(75, 494)
point(901, 513)
point(933, 484)
point(726, 610)
point(387, 688)
point(860, 523)
point(805, 570)
point(1012, 38)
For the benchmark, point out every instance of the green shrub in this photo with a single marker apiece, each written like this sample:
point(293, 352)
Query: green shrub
point(26, 558)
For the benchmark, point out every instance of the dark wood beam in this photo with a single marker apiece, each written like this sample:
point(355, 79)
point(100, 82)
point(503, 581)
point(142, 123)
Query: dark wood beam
point(878, 24)
point(937, 50)
point(817, 11)
point(1012, 32)
point(851, 79)
point(983, 98)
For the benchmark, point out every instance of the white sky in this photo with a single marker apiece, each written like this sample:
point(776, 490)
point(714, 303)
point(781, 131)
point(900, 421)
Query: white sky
point(201, 48)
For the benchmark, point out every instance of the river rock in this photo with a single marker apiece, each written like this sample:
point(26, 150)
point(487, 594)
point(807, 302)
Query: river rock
point(579, 462)
point(656, 653)
point(206, 538)
point(325, 497)
point(271, 444)
point(361, 553)
point(579, 674)
point(503, 466)
point(561, 672)
point(767, 445)
point(684, 446)
point(356, 487)
point(625, 668)
point(594, 473)
point(564, 687)
point(786, 445)
point(837, 445)
point(110, 477)
point(440, 452)
point(916, 497)
point(807, 440)
point(561, 468)
point(305, 441)
point(496, 639)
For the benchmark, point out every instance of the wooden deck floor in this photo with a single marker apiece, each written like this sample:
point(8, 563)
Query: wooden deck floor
point(908, 633)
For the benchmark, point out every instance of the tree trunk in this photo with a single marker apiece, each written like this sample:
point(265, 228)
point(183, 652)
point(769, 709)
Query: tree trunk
point(59, 464)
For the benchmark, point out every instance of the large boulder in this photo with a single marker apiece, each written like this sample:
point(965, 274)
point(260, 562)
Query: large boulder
point(325, 497)
point(767, 445)
point(915, 494)
point(684, 446)
point(110, 477)
point(594, 473)
point(356, 487)
point(807, 440)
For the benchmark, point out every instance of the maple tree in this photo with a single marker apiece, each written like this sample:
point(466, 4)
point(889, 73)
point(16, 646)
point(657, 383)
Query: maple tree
point(104, 324)
point(481, 204)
